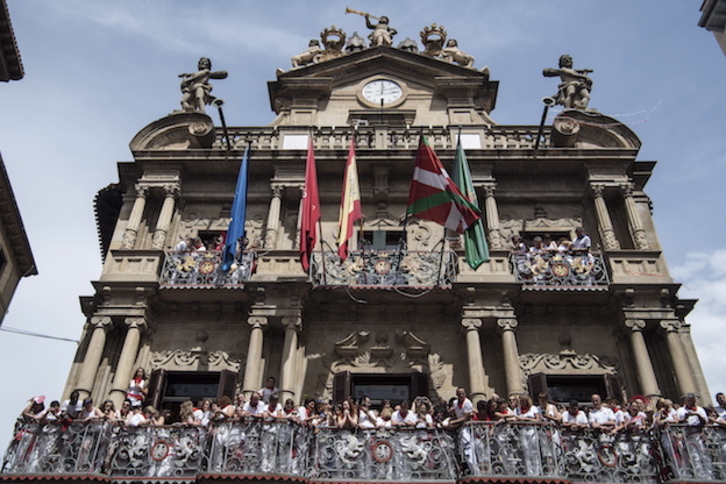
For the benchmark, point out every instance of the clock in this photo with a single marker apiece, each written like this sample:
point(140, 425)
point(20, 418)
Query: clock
point(382, 92)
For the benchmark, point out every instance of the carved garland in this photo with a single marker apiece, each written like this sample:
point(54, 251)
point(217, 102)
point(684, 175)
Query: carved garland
point(532, 362)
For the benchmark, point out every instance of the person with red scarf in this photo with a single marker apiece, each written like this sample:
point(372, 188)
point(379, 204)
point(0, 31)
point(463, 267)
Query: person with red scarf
point(269, 389)
point(137, 388)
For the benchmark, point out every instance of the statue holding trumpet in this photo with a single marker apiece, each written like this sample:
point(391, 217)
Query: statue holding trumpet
point(382, 33)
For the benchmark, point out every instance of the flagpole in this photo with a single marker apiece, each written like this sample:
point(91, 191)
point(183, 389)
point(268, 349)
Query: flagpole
point(320, 226)
point(441, 256)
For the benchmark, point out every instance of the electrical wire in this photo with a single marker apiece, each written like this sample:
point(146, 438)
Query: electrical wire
point(37, 335)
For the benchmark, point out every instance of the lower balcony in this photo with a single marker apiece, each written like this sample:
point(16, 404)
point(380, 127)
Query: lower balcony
point(274, 450)
point(384, 268)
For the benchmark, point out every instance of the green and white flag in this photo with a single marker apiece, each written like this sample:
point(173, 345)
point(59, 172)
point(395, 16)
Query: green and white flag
point(475, 241)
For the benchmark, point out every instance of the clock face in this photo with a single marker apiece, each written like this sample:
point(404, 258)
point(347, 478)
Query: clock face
point(382, 90)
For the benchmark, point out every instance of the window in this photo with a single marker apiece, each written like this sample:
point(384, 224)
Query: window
point(168, 389)
point(379, 387)
point(3, 260)
point(379, 239)
point(563, 388)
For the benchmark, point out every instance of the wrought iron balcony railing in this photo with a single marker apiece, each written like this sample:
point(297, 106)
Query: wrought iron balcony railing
point(384, 268)
point(286, 449)
point(204, 269)
point(555, 269)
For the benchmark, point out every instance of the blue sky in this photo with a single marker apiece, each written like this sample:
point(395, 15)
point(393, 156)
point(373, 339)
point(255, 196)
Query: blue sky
point(99, 71)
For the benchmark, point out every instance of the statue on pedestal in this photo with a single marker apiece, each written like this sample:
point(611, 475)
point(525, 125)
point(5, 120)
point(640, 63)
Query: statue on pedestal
point(195, 87)
point(382, 32)
point(574, 90)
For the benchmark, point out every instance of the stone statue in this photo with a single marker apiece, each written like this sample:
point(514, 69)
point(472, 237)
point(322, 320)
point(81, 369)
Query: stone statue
point(196, 88)
point(382, 33)
point(409, 45)
point(451, 53)
point(574, 90)
point(307, 57)
point(433, 38)
point(356, 43)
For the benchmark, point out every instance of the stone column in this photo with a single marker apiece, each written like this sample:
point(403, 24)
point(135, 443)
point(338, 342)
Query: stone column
point(605, 224)
point(492, 216)
point(127, 358)
point(94, 352)
point(644, 366)
point(686, 383)
point(477, 376)
point(253, 368)
point(511, 354)
point(292, 326)
point(167, 211)
point(132, 227)
point(273, 218)
point(636, 226)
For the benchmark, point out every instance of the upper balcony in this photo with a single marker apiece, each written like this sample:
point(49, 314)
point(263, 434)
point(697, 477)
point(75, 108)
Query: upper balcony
point(554, 270)
point(282, 449)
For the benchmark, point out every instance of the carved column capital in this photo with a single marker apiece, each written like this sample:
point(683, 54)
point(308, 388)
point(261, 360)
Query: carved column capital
point(142, 190)
point(277, 189)
point(136, 322)
point(635, 324)
point(101, 322)
point(292, 322)
point(471, 324)
point(671, 325)
point(507, 324)
point(489, 190)
point(597, 189)
point(171, 190)
point(627, 189)
point(257, 322)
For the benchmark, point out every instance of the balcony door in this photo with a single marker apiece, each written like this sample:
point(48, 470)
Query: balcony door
point(393, 387)
point(168, 389)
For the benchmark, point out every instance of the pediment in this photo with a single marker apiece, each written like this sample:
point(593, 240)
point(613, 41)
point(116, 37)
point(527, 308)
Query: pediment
point(591, 129)
point(434, 75)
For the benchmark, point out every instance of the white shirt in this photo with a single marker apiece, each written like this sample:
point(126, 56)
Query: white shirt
point(582, 242)
point(579, 419)
point(637, 421)
point(410, 418)
point(261, 407)
point(692, 420)
point(465, 409)
point(267, 393)
point(72, 410)
point(601, 417)
point(136, 419)
point(531, 412)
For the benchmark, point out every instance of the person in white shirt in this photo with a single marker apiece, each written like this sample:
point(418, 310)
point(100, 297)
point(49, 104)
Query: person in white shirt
point(255, 408)
point(573, 418)
point(582, 242)
point(721, 409)
point(72, 407)
point(404, 417)
point(695, 418)
point(601, 417)
point(269, 389)
point(463, 409)
point(633, 420)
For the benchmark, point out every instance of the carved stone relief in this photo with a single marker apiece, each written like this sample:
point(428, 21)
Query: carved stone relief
point(178, 359)
point(510, 226)
point(389, 352)
point(567, 361)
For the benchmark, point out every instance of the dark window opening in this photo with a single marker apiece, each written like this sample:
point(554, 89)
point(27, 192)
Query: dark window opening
point(380, 387)
point(379, 239)
point(528, 237)
point(169, 389)
point(563, 388)
point(3, 260)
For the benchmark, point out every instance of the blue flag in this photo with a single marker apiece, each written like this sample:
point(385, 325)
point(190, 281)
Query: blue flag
point(239, 207)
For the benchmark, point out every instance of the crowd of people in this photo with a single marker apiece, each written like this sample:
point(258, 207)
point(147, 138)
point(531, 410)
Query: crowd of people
point(609, 416)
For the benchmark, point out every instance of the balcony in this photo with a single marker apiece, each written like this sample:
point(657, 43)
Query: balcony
point(283, 449)
point(562, 271)
point(384, 269)
point(203, 269)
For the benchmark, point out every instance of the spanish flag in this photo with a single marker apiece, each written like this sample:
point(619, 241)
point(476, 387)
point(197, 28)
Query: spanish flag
point(350, 209)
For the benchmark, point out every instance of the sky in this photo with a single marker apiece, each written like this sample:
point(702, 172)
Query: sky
point(97, 72)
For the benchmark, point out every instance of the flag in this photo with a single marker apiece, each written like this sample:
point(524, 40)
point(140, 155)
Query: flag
point(475, 242)
point(310, 209)
point(434, 196)
point(239, 207)
point(350, 210)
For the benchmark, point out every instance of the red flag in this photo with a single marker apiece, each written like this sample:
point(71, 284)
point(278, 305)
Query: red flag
point(434, 195)
point(310, 208)
point(350, 209)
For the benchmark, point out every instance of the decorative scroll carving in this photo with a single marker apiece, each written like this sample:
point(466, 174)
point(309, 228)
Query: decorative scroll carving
point(566, 360)
point(180, 358)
